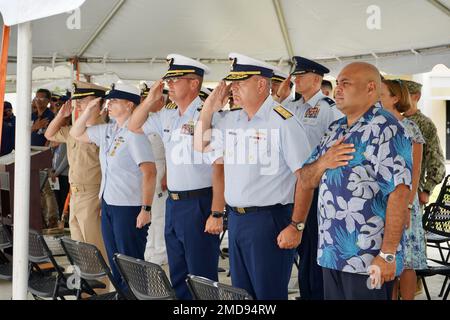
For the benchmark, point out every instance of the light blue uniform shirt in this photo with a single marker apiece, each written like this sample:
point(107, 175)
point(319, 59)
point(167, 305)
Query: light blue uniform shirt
point(121, 153)
point(260, 155)
point(187, 169)
point(315, 115)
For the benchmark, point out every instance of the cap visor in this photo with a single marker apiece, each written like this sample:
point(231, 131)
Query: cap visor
point(237, 77)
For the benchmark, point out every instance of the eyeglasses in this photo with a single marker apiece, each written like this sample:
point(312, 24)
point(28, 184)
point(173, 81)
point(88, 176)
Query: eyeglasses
point(175, 80)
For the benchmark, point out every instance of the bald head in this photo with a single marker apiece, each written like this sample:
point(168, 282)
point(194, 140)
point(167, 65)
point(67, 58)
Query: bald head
point(358, 87)
point(365, 72)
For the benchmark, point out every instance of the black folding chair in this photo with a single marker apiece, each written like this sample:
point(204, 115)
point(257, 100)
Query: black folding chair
point(437, 238)
point(205, 289)
point(436, 220)
point(146, 280)
point(5, 263)
point(227, 292)
point(91, 266)
point(49, 283)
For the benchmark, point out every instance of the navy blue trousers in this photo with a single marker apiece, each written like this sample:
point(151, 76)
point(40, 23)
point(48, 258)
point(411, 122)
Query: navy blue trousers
point(121, 235)
point(189, 248)
point(340, 285)
point(310, 277)
point(257, 264)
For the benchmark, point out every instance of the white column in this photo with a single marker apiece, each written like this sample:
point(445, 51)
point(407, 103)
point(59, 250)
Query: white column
point(22, 163)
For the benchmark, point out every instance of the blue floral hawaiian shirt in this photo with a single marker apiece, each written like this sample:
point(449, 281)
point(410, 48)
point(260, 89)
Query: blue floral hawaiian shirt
point(353, 198)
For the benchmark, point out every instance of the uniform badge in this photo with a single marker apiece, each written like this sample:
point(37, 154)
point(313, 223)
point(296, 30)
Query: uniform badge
point(118, 141)
point(312, 113)
point(188, 128)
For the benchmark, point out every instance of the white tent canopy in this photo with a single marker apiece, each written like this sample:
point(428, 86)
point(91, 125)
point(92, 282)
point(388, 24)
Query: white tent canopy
point(131, 39)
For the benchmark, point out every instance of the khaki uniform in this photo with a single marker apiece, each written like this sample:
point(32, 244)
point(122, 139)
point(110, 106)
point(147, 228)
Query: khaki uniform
point(84, 178)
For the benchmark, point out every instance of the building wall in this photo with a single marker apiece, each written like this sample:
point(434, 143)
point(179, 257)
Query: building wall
point(435, 92)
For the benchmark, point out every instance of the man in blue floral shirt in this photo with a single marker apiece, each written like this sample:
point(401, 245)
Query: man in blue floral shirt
point(363, 169)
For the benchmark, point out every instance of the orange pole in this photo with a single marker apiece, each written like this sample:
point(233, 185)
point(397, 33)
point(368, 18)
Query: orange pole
point(3, 67)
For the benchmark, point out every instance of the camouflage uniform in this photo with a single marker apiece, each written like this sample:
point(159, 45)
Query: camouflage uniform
point(433, 164)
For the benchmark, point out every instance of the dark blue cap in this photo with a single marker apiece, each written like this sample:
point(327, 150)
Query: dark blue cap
point(303, 65)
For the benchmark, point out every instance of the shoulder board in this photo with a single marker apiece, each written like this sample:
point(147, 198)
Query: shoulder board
point(329, 101)
point(234, 108)
point(283, 112)
point(171, 106)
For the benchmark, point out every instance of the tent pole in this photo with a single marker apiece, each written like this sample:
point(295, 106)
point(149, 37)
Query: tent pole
point(22, 163)
point(283, 27)
point(3, 67)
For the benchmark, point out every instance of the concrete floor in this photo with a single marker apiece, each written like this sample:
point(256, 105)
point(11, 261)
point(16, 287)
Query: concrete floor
point(434, 283)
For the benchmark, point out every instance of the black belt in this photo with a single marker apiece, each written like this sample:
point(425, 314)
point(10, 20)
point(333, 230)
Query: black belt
point(184, 195)
point(244, 210)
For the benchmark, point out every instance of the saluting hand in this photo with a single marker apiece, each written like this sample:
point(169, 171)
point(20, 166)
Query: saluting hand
point(93, 105)
point(284, 90)
point(156, 91)
point(66, 110)
point(143, 219)
point(218, 98)
point(338, 155)
point(289, 238)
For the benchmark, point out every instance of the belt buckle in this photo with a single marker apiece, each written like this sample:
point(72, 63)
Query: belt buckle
point(75, 189)
point(175, 196)
point(240, 210)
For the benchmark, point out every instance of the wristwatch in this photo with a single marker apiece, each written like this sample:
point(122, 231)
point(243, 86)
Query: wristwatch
point(217, 214)
point(299, 226)
point(147, 208)
point(388, 257)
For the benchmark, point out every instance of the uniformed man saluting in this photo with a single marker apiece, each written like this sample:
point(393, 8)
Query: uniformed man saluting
point(84, 171)
point(193, 218)
point(262, 156)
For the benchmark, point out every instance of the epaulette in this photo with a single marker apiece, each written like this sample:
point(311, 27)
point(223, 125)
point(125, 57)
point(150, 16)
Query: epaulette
point(171, 106)
point(329, 101)
point(283, 112)
point(235, 107)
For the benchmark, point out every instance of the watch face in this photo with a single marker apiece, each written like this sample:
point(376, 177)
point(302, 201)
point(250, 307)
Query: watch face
point(300, 226)
point(390, 258)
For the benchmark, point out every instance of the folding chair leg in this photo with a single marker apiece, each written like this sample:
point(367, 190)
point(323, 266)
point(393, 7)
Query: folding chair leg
point(425, 287)
point(444, 285)
point(448, 252)
point(441, 253)
point(446, 293)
